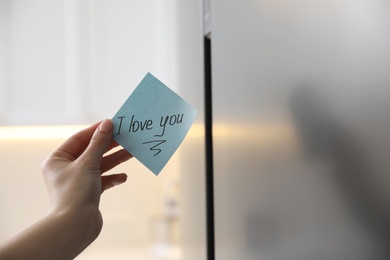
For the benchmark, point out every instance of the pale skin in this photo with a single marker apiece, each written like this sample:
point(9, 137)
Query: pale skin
point(73, 176)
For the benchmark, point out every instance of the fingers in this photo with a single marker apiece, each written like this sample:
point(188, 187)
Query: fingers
point(114, 159)
point(110, 181)
point(99, 144)
point(76, 144)
point(112, 145)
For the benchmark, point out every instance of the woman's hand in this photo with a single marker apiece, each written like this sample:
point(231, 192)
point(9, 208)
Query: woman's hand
point(73, 178)
point(72, 173)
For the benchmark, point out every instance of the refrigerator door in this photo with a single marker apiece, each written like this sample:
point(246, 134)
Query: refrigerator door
point(301, 129)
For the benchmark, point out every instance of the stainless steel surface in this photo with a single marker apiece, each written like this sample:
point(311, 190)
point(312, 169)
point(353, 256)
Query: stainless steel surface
point(301, 129)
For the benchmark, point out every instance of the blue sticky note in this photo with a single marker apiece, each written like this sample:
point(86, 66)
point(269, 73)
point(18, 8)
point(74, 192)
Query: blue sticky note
point(152, 123)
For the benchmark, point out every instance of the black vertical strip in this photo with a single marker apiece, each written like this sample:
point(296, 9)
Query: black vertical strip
point(209, 151)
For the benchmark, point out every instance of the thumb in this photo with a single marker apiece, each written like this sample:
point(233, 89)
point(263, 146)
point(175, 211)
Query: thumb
point(100, 142)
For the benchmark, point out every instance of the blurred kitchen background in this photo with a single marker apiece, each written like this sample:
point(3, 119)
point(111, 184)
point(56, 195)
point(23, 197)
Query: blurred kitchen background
point(65, 64)
point(289, 154)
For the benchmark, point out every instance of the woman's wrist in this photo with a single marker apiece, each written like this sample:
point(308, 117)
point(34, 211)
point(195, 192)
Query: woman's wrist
point(82, 225)
point(59, 235)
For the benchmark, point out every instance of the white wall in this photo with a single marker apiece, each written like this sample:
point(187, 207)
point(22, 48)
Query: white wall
point(75, 61)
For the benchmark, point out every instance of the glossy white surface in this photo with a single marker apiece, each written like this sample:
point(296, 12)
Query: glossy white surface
point(192, 151)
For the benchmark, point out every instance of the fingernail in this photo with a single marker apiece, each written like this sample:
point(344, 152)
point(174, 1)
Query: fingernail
point(106, 126)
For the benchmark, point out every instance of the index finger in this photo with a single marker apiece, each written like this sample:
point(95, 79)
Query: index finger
point(77, 143)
